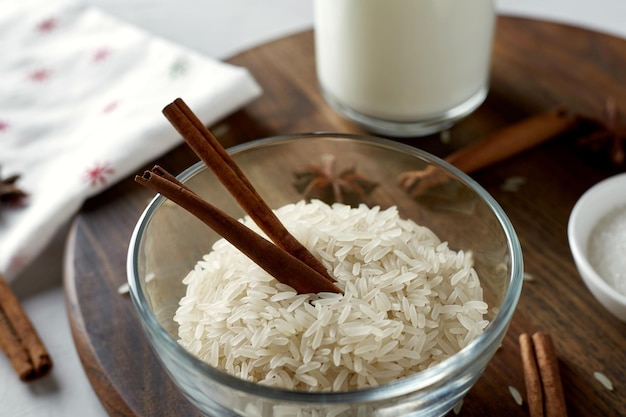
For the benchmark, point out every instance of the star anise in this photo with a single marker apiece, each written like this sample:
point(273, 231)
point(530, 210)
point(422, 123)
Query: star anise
point(609, 136)
point(323, 183)
point(10, 194)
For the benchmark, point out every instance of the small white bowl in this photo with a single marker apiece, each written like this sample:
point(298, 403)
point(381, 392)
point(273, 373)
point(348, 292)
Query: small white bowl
point(592, 206)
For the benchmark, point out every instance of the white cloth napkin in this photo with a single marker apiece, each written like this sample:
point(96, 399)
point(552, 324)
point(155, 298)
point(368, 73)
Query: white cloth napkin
point(81, 95)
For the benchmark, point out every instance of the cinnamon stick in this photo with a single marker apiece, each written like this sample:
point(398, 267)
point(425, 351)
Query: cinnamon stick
point(547, 361)
point(531, 376)
point(19, 339)
point(276, 261)
point(14, 351)
point(496, 147)
point(208, 148)
point(541, 373)
point(512, 140)
point(160, 171)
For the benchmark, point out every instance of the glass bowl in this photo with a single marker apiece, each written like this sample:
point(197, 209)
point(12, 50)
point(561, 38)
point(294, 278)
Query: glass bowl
point(167, 242)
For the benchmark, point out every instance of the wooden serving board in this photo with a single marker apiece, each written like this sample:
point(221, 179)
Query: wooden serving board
point(536, 66)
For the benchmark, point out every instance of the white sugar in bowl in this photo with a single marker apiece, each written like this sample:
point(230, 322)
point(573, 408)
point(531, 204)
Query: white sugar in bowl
point(597, 239)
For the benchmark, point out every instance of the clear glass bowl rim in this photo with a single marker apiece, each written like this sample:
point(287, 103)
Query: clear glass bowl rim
point(422, 380)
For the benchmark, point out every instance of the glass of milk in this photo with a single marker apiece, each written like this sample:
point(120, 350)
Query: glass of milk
point(404, 67)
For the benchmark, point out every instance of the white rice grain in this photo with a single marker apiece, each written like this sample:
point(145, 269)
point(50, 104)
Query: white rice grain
point(516, 395)
point(457, 408)
point(123, 289)
point(409, 302)
point(604, 380)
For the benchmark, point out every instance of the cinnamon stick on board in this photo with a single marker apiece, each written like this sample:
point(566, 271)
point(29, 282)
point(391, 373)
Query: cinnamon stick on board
point(531, 376)
point(547, 361)
point(541, 372)
point(273, 259)
point(19, 339)
point(496, 147)
point(208, 148)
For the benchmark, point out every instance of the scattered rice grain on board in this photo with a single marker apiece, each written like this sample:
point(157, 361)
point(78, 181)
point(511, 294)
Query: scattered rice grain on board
point(457, 407)
point(513, 184)
point(604, 380)
point(516, 395)
point(123, 289)
point(445, 137)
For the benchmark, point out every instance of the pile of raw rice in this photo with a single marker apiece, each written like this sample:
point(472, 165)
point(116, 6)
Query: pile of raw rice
point(409, 303)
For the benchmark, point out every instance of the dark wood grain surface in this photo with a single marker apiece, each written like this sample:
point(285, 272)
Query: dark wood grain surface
point(536, 66)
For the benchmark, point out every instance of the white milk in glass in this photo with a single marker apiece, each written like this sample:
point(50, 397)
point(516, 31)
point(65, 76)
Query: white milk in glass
point(404, 67)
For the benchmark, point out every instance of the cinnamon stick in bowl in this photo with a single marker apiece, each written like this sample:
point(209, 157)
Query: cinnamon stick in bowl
point(280, 264)
point(287, 259)
point(211, 152)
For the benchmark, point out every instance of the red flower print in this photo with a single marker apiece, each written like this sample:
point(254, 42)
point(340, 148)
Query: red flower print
point(109, 108)
point(39, 75)
point(47, 25)
point(101, 54)
point(4, 126)
point(97, 175)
